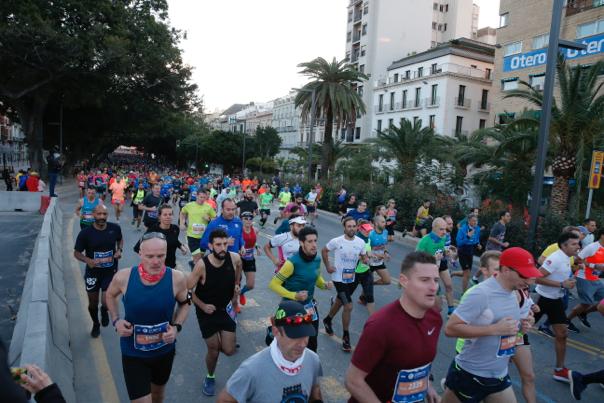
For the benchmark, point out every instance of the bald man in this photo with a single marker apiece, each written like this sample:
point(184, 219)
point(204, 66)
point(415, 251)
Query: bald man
point(434, 244)
point(99, 246)
point(156, 304)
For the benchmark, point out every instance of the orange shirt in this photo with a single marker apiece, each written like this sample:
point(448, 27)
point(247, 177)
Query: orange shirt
point(117, 189)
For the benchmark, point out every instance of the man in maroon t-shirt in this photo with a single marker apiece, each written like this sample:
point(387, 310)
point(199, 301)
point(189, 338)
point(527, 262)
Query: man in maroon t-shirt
point(395, 352)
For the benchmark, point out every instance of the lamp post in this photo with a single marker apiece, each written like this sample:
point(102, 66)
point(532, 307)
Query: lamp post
point(546, 114)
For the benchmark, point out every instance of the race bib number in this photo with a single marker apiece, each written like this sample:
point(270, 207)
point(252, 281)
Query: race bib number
point(81, 184)
point(198, 229)
point(231, 312)
point(507, 346)
point(103, 260)
point(149, 337)
point(248, 254)
point(411, 385)
point(87, 217)
point(152, 214)
point(311, 310)
point(347, 276)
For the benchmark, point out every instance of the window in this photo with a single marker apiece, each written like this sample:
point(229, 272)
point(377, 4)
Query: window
point(379, 125)
point(512, 48)
point(440, 27)
point(408, 74)
point(418, 94)
point(362, 50)
point(537, 81)
point(357, 133)
point(505, 118)
point(482, 123)
point(362, 68)
point(484, 100)
point(461, 95)
point(364, 29)
point(404, 103)
point(392, 101)
point(396, 77)
point(350, 16)
point(446, 8)
point(360, 90)
point(415, 119)
point(590, 28)
point(433, 68)
point(366, 9)
point(458, 125)
point(433, 25)
point(504, 20)
point(541, 41)
point(435, 6)
point(441, 8)
point(509, 84)
point(342, 134)
point(487, 73)
point(390, 123)
point(433, 94)
point(348, 36)
point(431, 121)
point(420, 71)
point(381, 103)
point(445, 26)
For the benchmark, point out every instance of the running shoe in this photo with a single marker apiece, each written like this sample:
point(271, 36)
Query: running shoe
point(562, 375)
point(275, 221)
point(328, 328)
point(209, 386)
point(583, 319)
point(546, 331)
point(104, 317)
point(96, 330)
point(576, 384)
point(242, 299)
point(573, 328)
point(346, 343)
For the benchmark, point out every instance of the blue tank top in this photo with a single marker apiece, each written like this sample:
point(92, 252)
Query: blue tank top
point(87, 208)
point(148, 308)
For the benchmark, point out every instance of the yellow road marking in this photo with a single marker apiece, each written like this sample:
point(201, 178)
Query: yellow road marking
point(107, 382)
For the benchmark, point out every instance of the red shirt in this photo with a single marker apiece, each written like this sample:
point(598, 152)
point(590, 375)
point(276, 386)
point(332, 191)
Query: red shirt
point(393, 340)
point(249, 238)
point(32, 183)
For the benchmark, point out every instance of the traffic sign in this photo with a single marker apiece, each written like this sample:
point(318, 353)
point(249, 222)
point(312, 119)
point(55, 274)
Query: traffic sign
point(595, 175)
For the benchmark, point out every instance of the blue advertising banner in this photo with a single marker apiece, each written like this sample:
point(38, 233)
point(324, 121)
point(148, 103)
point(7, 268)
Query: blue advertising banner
point(595, 45)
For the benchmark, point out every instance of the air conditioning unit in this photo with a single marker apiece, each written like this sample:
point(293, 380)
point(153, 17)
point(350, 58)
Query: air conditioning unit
point(538, 87)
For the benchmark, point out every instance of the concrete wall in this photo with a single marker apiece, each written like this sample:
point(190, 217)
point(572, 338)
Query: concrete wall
point(25, 201)
point(41, 334)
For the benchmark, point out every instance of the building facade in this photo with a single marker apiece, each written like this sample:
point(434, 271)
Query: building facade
point(380, 31)
point(523, 37)
point(13, 149)
point(447, 87)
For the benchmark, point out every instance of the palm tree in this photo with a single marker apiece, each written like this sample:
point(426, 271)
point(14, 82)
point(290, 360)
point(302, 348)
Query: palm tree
point(408, 144)
point(336, 98)
point(339, 151)
point(577, 118)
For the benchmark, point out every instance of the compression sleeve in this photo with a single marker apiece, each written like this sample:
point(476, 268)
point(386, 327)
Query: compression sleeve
point(320, 283)
point(276, 283)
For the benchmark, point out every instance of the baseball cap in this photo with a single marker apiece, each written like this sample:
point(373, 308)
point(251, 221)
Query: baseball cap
point(367, 227)
point(583, 230)
point(246, 214)
point(294, 319)
point(521, 261)
point(297, 220)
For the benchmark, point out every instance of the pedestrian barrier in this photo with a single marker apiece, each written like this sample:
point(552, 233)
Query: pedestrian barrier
point(20, 201)
point(41, 334)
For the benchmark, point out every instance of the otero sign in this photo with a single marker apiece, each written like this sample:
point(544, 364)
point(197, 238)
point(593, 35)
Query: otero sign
point(595, 45)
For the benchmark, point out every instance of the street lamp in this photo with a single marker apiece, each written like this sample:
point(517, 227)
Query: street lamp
point(312, 124)
point(546, 114)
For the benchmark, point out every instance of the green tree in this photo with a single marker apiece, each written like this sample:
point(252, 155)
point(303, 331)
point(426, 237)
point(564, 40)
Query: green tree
point(267, 142)
point(577, 118)
point(337, 100)
point(408, 144)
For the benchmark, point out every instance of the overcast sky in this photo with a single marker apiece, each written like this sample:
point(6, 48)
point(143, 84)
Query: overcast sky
point(244, 51)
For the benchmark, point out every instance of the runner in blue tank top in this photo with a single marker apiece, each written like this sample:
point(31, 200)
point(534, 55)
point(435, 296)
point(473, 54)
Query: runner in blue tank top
point(86, 207)
point(148, 331)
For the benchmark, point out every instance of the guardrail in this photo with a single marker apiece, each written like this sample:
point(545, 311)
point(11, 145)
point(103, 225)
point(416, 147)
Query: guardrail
point(41, 334)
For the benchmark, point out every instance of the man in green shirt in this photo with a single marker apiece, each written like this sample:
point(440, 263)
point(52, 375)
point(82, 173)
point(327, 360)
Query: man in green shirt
point(284, 198)
point(434, 244)
point(265, 200)
point(194, 217)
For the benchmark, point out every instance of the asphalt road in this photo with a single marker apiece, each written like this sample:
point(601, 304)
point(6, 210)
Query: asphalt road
point(98, 361)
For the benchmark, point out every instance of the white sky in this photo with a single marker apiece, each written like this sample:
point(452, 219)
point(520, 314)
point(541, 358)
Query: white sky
point(244, 51)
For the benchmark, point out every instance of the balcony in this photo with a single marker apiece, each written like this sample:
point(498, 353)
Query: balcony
point(356, 37)
point(354, 58)
point(484, 107)
point(458, 132)
point(432, 102)
point(378, 108)
point(358, 16)
point(578, 6)
point(414, 104)
point(462, 103)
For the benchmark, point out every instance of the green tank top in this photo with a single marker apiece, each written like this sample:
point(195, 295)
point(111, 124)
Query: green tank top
point(304, 276)
point(362, 267)
point(140, 195)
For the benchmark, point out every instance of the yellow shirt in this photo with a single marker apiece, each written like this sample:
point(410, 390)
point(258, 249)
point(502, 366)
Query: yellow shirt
point(197, 218)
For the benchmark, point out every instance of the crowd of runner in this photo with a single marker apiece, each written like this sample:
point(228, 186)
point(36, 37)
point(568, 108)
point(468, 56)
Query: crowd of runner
point(220, 216)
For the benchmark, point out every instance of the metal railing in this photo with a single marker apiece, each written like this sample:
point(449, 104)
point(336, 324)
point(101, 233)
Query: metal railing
point(484, 107)
point(463, 103)
point(432, 102)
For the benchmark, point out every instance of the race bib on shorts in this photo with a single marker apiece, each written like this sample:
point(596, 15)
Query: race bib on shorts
point(103, 260)
point(81, 184)
point(248, 254)
point(198, 229)
point(347, 276)
point(411, 385)
point(231, 312)
point(507, 346)
point(149, 337)
point(311, 310)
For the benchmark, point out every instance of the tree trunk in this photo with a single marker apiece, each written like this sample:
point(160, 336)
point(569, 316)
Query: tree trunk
point(327, 143)
point(559, 201)
point(31, 113)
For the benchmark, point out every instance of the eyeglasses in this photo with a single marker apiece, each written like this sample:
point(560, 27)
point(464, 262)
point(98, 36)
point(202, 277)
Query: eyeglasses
point(295, 320)
point(151, 235)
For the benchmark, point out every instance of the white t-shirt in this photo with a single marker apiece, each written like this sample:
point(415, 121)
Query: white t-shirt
point(311, 197)
point(286, 244)
point(586, 252)
point(347, 254)
point(558, 266)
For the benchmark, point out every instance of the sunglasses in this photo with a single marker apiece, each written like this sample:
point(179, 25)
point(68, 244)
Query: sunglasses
point(152, 235)
point(295, 320)
point(247, 218)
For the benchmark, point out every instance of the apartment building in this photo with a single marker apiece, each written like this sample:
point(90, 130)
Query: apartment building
point(523, 37)
point(13, 148)
point(447, 87)
point(380, 31)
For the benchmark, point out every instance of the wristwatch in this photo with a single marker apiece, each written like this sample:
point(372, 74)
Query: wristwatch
point(178, 326)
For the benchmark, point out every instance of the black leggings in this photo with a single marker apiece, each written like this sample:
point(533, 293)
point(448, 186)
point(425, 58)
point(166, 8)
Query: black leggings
point(594, 377)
